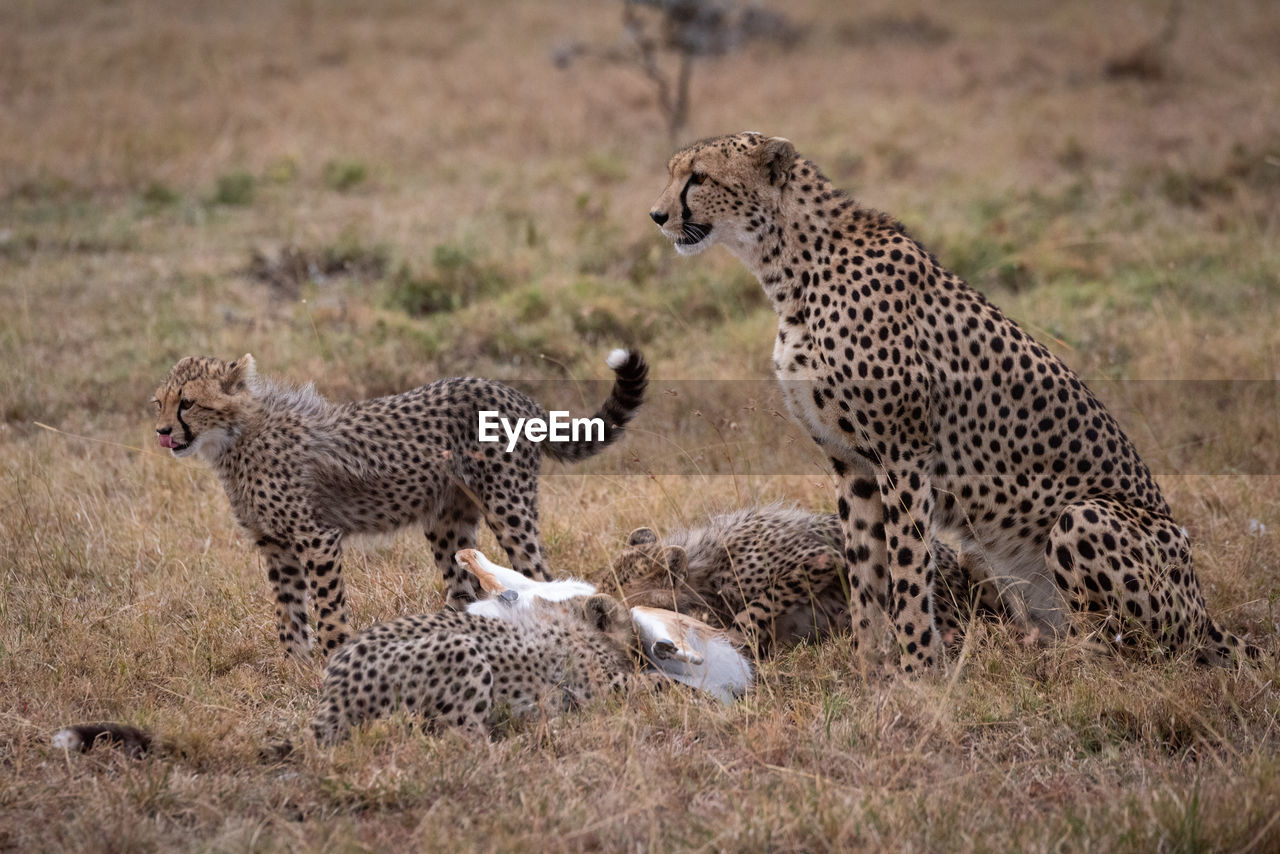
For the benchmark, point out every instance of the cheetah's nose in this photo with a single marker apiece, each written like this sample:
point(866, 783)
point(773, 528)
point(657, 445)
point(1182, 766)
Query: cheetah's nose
point(658, 216)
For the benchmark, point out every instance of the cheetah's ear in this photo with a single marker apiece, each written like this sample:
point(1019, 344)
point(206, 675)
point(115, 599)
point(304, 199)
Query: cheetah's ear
point(239, 374)
point(777, 156)
point(603, 612)
point(677, 564)
point(641, 537)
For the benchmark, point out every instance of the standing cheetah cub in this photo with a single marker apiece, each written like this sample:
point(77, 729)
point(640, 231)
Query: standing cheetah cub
point(302, 473)
point(939, 414)
point(776, 575)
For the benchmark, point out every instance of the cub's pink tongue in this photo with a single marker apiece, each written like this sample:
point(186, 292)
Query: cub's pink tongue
point(167, 442)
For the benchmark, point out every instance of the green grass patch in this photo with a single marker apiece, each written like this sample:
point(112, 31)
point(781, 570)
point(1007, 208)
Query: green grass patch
point(234, 189)
point(344, 175)
point(459, 276)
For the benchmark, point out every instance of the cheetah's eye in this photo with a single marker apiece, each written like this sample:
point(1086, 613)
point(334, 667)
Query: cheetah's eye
point(696, 178)
point(184, 405)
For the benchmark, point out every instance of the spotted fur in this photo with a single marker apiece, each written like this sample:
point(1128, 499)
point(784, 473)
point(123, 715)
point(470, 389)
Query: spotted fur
point(452, 670)
point(776, 575)
point(466, 671)
point(940, 415)
point(302, 473)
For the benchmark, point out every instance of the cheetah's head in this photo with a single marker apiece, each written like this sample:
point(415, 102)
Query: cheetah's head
point(651, 574)
point(724, 190)
point(199, 403)
point(604, 614)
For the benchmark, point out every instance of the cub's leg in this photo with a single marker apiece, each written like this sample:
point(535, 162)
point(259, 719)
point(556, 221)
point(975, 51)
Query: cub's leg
point(755, 622)
point(511, 510)
point(321, 556)
point(335, 711)
point(1127, 573)
point(452, 531)
point(288, 580)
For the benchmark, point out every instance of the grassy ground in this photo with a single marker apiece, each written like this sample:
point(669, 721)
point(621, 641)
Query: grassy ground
point(373, 196)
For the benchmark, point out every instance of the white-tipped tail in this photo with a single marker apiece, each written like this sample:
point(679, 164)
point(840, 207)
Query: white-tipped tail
point(67, 739)
point(617, 358)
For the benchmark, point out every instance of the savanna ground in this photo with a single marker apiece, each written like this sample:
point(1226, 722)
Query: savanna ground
point(376, 195)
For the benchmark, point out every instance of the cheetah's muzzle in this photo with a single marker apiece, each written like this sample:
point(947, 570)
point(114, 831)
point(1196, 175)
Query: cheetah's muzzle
point(176, 447)
point(692, 233)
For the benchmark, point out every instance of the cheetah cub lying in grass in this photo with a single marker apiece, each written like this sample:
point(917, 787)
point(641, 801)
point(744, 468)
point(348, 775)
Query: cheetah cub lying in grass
point(524, 649)
point(775, 575)
point(302, 473)
point(939, 414)
point(674, 645)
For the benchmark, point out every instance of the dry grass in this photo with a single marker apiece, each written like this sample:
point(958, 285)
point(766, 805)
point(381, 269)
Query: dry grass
point(149, 149)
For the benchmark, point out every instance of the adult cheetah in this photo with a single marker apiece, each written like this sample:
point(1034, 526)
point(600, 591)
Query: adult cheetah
point(939, 413)
point(775, 575)
point(302, 473)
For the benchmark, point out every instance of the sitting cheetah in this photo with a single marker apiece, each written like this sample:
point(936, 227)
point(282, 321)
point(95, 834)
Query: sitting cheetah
point(302, 473)
point(775, 575)
point(939, 414)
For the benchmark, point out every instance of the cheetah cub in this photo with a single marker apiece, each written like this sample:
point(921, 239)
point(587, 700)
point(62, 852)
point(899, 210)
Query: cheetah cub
point(302, 473)
point(939, 414)
point(461, 670)
point(451, 670)
point(523, 649)
point(674, 646)
point(775, 575)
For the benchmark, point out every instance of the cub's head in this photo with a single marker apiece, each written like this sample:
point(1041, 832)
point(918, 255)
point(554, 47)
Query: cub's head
point(603, 614)
point(724, 190)
point(653, 575)
point(200, 403)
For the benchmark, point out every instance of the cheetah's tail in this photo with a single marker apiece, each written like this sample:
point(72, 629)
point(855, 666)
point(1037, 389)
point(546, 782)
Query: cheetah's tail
point(1222, 648)
point(631, 373)
point(133, 741)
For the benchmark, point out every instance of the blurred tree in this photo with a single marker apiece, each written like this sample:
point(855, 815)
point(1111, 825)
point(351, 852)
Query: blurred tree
point(658, 34)
point(1149, 61)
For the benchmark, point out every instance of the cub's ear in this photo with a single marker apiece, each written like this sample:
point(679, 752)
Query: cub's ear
point(777, 156)
point(603, 612)
point(677, 564)
point(239, 374)
point(642, 536)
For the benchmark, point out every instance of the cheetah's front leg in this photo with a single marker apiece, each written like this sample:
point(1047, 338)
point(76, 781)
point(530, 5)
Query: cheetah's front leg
point(322, 560)
point(861, 514)
point(286, 575)
point(908, 510)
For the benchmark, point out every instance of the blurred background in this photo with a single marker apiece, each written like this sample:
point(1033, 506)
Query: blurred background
point(380, 193)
